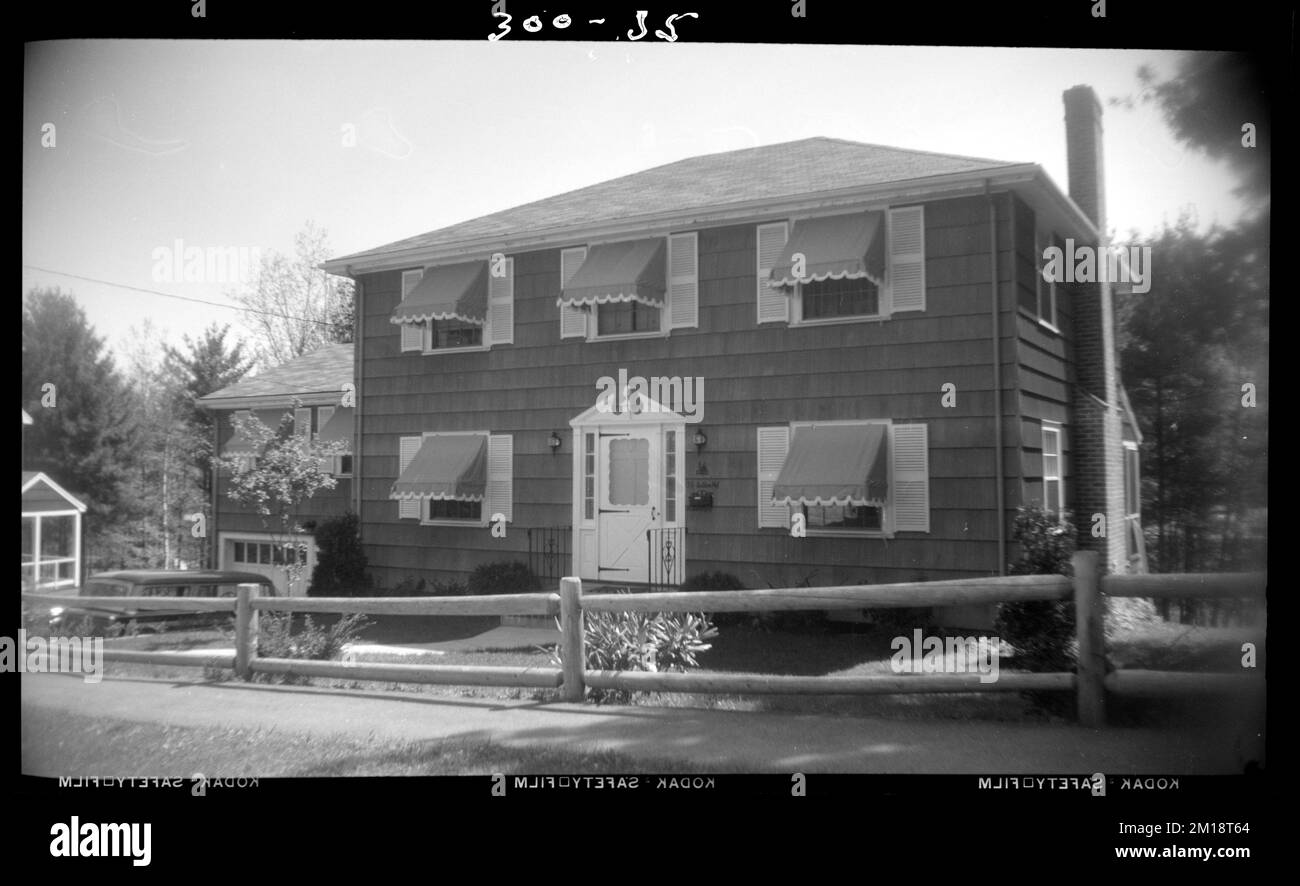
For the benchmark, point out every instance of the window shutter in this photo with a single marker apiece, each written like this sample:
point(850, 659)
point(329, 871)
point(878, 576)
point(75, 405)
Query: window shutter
point(302, 427)
point(683, 281)
point(501, 305)
point(907, 258)
point(408, 508)
point(499, 498)
point(573, 321)
point(911, 455)
point(773, 304)
point(412, 336)
point(412, 333)
point(773, 443)
point(328, 464)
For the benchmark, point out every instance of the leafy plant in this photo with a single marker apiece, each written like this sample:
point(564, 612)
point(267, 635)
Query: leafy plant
point(503, 577)
point(276, 639)
point(1041, 631)
point(641, 641)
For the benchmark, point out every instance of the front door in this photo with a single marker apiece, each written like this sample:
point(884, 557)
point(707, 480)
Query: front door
point(629, 478)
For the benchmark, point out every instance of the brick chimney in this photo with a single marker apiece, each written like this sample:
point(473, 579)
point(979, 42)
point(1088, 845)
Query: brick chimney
point(1097, 450)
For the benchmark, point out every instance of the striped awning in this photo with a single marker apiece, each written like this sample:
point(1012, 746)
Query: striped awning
point(836, 247)
point(835, 465)
point(632, 270)
point(339, 426)
point(446, 467)
point(449, 292)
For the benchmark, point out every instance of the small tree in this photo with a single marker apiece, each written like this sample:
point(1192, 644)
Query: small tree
point(1041, 631)
point(340, 560)
point(289, 470)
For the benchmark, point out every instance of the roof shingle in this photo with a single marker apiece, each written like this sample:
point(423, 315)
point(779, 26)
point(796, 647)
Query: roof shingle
point(323, 370)
point(785, 170)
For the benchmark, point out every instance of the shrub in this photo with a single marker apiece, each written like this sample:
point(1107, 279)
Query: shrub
point(725, 581)
point(416, 586)
point(341, 564)
point(1041, 631)
point(276, 639)
point(641, 641)
point(503, 577)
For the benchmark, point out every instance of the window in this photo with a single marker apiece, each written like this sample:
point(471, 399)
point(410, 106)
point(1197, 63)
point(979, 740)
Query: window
point(444, 509)
point(625, 318)
point(1046, 287)
point(824, 299)
point(1132, 490)
point(670, 476)
point(589, 477)
point(844, 517)
point(895, 255)
point(904, 471)
point(239, 552)
point(497, 482)
point(1053, 484)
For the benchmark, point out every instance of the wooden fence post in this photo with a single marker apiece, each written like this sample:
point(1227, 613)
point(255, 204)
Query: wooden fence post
point(1091, 635)
point(573, 640)
point(245, 631)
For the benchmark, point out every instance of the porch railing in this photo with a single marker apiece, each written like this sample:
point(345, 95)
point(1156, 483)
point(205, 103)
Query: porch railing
point(550, 555)
point(666, 550)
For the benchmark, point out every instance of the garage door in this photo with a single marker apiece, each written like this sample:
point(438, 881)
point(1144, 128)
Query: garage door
point(271, 557)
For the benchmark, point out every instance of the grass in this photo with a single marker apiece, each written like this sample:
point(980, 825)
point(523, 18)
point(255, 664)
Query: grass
point(812, 649)
point(66, 743)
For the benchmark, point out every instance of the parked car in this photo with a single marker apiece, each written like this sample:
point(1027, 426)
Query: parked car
point(155, 583)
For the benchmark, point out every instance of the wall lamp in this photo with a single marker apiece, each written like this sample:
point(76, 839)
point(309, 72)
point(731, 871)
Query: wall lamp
point(699, 440)
point(554, 442)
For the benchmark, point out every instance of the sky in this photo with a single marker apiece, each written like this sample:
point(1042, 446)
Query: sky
point(228, 144)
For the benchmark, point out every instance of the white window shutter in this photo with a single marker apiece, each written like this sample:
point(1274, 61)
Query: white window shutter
point(907, 258)
point(683, 281)
point(773, 443)
point(501, 305)
point(412, 333)
point(328, 464)
point(773, 304)
point(573, 322)
point(302, 426)
point(408, 508)
point(910, 450)
point(412, 336)
point(499, 497)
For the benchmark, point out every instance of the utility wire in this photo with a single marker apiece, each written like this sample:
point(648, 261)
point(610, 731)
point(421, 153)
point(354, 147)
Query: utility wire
point(200, 301)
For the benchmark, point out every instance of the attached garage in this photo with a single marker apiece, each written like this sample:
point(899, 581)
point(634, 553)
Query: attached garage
point(272, 556)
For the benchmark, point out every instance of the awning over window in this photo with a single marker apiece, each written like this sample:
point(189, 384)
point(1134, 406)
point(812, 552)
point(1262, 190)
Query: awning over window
point(339, 426)
point(632, 270)
point(836, 247)
point(450, 292)
point(835, 465)
point(451, 467)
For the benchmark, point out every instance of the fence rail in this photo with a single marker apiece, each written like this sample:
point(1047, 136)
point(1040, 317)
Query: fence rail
point(1087, 589)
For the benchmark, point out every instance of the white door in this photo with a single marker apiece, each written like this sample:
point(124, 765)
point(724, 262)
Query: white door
point(629, 500)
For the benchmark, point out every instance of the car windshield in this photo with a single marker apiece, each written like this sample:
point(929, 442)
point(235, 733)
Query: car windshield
point(103, 589)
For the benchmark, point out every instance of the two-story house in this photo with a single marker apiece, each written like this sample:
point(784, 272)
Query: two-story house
point(787, 362)
point(317, 382)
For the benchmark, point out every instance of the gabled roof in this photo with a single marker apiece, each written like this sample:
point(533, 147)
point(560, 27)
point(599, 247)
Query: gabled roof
point(40, 493)
point(751, 175)
point(316, 378)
